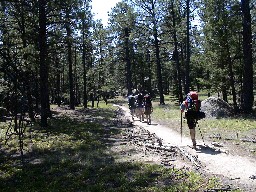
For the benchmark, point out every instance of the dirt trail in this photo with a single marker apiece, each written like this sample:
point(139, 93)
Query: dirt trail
point(241, 171)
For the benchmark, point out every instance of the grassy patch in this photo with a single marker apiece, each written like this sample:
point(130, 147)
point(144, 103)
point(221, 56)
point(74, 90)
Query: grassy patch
point(168, 111)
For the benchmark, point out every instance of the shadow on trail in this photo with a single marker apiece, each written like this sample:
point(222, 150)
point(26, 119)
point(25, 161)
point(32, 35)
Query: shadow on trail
point(207, 150)
point(69, 155)
point(154, 124)
point(144, 122)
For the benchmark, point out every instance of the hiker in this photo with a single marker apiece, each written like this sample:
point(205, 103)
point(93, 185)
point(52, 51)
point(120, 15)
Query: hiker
point(140, 106)
point(148, 107)
point(192, 105)
point(132, 104)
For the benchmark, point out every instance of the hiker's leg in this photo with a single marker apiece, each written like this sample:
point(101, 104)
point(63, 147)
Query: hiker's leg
point(191, 126)
point(142, 113)
point(146, 113)
point(193, 137)
point(150, 111)
point(136, 112)
point(133, 113)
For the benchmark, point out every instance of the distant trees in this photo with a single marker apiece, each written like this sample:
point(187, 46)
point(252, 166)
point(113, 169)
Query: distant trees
point(122, 30)
point(33, 54)
point(222, 25)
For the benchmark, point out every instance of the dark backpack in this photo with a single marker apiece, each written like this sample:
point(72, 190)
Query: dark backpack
point(132, 101)
point(194, 105)
point(148, 101)
point(140, 100)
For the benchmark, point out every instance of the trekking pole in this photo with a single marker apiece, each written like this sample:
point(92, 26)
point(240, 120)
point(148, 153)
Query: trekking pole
point(181, 126)
point(201, 133)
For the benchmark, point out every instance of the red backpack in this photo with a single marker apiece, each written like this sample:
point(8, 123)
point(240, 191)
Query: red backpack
point(193, 103)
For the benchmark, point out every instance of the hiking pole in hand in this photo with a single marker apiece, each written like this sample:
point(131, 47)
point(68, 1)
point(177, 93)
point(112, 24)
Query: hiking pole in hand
point(181, 126)
point(201, 133)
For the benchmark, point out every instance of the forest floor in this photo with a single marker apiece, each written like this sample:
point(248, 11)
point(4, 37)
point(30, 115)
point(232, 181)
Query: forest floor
point(163, 145)
point(103, 148)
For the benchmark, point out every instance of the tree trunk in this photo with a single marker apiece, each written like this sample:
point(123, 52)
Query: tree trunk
point(181, 62)
point(70, 64)
point(27, 78)
point(58, 80)
point(128, 62)
point(158, 63)
point(231, 74)
point(187, 71)
point(29, 97)
point(224, 90)
point(44, 92)
point(176, 57)
point(149, 81)
point(247, 92)
point(85, 98)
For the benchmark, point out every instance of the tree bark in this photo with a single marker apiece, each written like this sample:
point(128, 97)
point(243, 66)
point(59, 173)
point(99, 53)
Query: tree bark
point(70, 64)
point(231, 73)
point(85, 98)
point(187, 71)
point(247, 92)
point(157, 52)
point(176, 57)
point(58, 80)
point(128, 62)
point(44, 92)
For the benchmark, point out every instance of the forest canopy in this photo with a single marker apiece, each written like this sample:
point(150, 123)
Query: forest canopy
point(54, 52)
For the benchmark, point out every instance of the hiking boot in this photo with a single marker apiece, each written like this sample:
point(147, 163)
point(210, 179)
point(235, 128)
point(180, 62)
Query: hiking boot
point(194, 143)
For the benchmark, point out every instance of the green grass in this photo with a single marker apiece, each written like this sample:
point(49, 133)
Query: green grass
point(230, 124)
point(168, 111)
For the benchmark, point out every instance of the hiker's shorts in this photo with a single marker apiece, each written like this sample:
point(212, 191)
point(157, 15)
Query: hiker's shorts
point(191, 123)
point(147, 111)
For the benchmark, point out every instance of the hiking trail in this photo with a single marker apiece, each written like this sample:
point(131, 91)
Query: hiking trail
point(212, 159)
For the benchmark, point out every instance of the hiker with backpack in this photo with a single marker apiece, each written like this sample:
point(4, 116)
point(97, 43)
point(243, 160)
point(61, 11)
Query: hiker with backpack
point(140, 106)
point(132, 104)
point(192, 106)
point(148, 107)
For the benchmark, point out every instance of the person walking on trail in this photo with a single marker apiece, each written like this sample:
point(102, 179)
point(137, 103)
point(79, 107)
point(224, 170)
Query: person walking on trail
point(148, 107)
point(140, 106)
point(192, 106)
point(132, 104)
